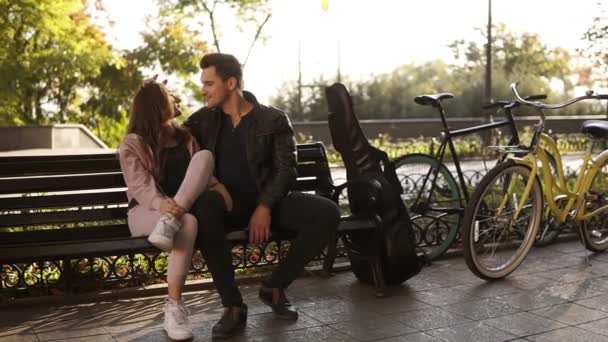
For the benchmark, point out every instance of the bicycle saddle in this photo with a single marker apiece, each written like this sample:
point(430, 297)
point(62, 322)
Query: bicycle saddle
point(596, 128)
point(432, 99)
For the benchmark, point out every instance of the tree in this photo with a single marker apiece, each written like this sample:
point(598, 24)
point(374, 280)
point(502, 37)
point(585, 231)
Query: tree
point(597, 47)
point(48, 51)
point(178, 36)
point(517, 57)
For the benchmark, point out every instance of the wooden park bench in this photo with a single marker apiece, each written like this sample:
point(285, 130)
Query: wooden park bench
point(61, 212)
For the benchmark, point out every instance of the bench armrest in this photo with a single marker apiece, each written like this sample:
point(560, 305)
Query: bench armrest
point(372, 187)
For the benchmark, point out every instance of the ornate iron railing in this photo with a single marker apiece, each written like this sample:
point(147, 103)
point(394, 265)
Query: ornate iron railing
point(137, 269)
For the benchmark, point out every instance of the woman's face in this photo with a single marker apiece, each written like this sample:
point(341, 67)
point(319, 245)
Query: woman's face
point(169, 112)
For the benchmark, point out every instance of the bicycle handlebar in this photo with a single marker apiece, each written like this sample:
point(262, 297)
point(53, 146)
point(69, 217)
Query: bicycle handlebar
point(503, 103)
point(589, 94)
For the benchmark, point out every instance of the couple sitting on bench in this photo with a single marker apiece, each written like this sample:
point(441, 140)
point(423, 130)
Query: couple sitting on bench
point(230, 166)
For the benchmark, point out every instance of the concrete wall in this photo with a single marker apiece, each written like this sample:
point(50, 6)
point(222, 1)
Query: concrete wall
point(79, 137)
point(413, 128)
point(48, 137)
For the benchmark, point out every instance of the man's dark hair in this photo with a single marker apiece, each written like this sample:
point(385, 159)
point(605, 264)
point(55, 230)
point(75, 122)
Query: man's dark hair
point(226, 66)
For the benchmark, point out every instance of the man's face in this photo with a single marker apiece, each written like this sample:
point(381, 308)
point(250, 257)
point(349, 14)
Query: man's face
point(215, 89)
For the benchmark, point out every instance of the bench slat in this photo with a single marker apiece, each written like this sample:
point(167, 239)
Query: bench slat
point(43, 167)
point(58, 157)
point(71, 216)
point(75, 249)
point(61, 183)
point(54, 235)
point(312, 170)
point(60, 200)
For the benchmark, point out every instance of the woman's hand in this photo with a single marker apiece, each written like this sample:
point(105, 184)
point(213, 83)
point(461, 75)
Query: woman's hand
point(219, 187)
point(177, 111)
point(168, 206)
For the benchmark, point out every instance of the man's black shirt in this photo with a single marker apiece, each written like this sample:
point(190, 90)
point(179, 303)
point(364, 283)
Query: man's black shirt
point(232, 167)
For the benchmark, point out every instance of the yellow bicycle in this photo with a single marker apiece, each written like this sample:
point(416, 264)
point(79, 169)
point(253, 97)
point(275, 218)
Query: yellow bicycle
point(502, 217)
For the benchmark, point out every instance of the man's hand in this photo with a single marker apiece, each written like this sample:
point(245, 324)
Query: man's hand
point(259, 225)
point(168, 206)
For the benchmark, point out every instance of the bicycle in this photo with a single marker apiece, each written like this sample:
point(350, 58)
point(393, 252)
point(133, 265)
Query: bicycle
point(431, 193)
point(502, 218)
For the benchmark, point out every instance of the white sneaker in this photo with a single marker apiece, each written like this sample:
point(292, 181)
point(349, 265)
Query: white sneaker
point(176, 323)
point(163, 233)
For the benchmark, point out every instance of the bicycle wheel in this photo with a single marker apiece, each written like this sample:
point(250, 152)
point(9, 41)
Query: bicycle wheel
point(438, 218)
point(595, 230)
point(495, 240)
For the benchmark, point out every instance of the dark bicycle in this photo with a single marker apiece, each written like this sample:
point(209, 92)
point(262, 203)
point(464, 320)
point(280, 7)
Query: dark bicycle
point(435, 199)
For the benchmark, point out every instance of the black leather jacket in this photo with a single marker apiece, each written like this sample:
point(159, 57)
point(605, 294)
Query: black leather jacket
point(270, 144)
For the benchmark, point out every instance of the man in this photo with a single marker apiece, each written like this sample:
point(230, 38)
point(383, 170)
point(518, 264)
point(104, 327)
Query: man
point(255, 154)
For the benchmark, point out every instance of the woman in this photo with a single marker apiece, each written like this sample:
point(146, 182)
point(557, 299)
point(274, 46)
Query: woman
point(165, 173)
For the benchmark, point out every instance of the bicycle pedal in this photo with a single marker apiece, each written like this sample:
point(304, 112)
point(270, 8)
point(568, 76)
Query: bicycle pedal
point(596, 233)
point(592, 196)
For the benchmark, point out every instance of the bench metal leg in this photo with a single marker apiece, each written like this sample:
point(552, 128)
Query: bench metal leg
point(376, 259)
point(330, 257)
point(68, 276)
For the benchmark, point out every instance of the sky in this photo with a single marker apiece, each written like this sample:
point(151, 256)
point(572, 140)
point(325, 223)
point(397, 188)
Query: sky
point(373, 36)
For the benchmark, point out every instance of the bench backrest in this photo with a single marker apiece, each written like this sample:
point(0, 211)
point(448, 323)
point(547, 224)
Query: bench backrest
point(42, 196)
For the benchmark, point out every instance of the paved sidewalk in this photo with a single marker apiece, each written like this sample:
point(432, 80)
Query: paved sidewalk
point(553, 296)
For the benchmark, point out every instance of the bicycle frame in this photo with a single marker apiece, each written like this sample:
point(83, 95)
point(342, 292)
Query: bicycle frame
point(558, 187)
point(447, 136)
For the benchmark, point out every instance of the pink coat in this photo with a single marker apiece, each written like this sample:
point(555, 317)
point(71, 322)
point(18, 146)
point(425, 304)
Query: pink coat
point(137, 169)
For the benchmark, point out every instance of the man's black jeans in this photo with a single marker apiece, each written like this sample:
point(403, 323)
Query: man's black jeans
point(312, 218)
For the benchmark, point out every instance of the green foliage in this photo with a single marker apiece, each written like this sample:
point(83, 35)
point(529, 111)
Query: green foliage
point(597, 44)
point(468, 147)
point(48, 51)
point(57, 66)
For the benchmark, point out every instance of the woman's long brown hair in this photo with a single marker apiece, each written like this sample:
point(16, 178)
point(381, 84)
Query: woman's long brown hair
point(151, 107)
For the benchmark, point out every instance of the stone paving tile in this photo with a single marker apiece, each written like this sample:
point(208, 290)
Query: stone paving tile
point(471, 332)
point(486, 289)
point(329, 313)
point(531, 282)
point(575, 291)
point(430, 318)
point(482, 309)
point(523, 324)
point(599, 303)
point(597, 268)
point(417, 337)
point(268, 323)
point(531, 266)
point(531, 300)
point(62, 334)
point(444, 296)
point(598, 327)
point(303, 301)
point(98, 338)
point(568, 247)
point(569, 334)
point(342, 301)
point(369, 330)
point(391, 305)
point(570, 313)
point(568, 275)
point(22, 331)
point(566, 260)
point(143, 335)
point(305, 335)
